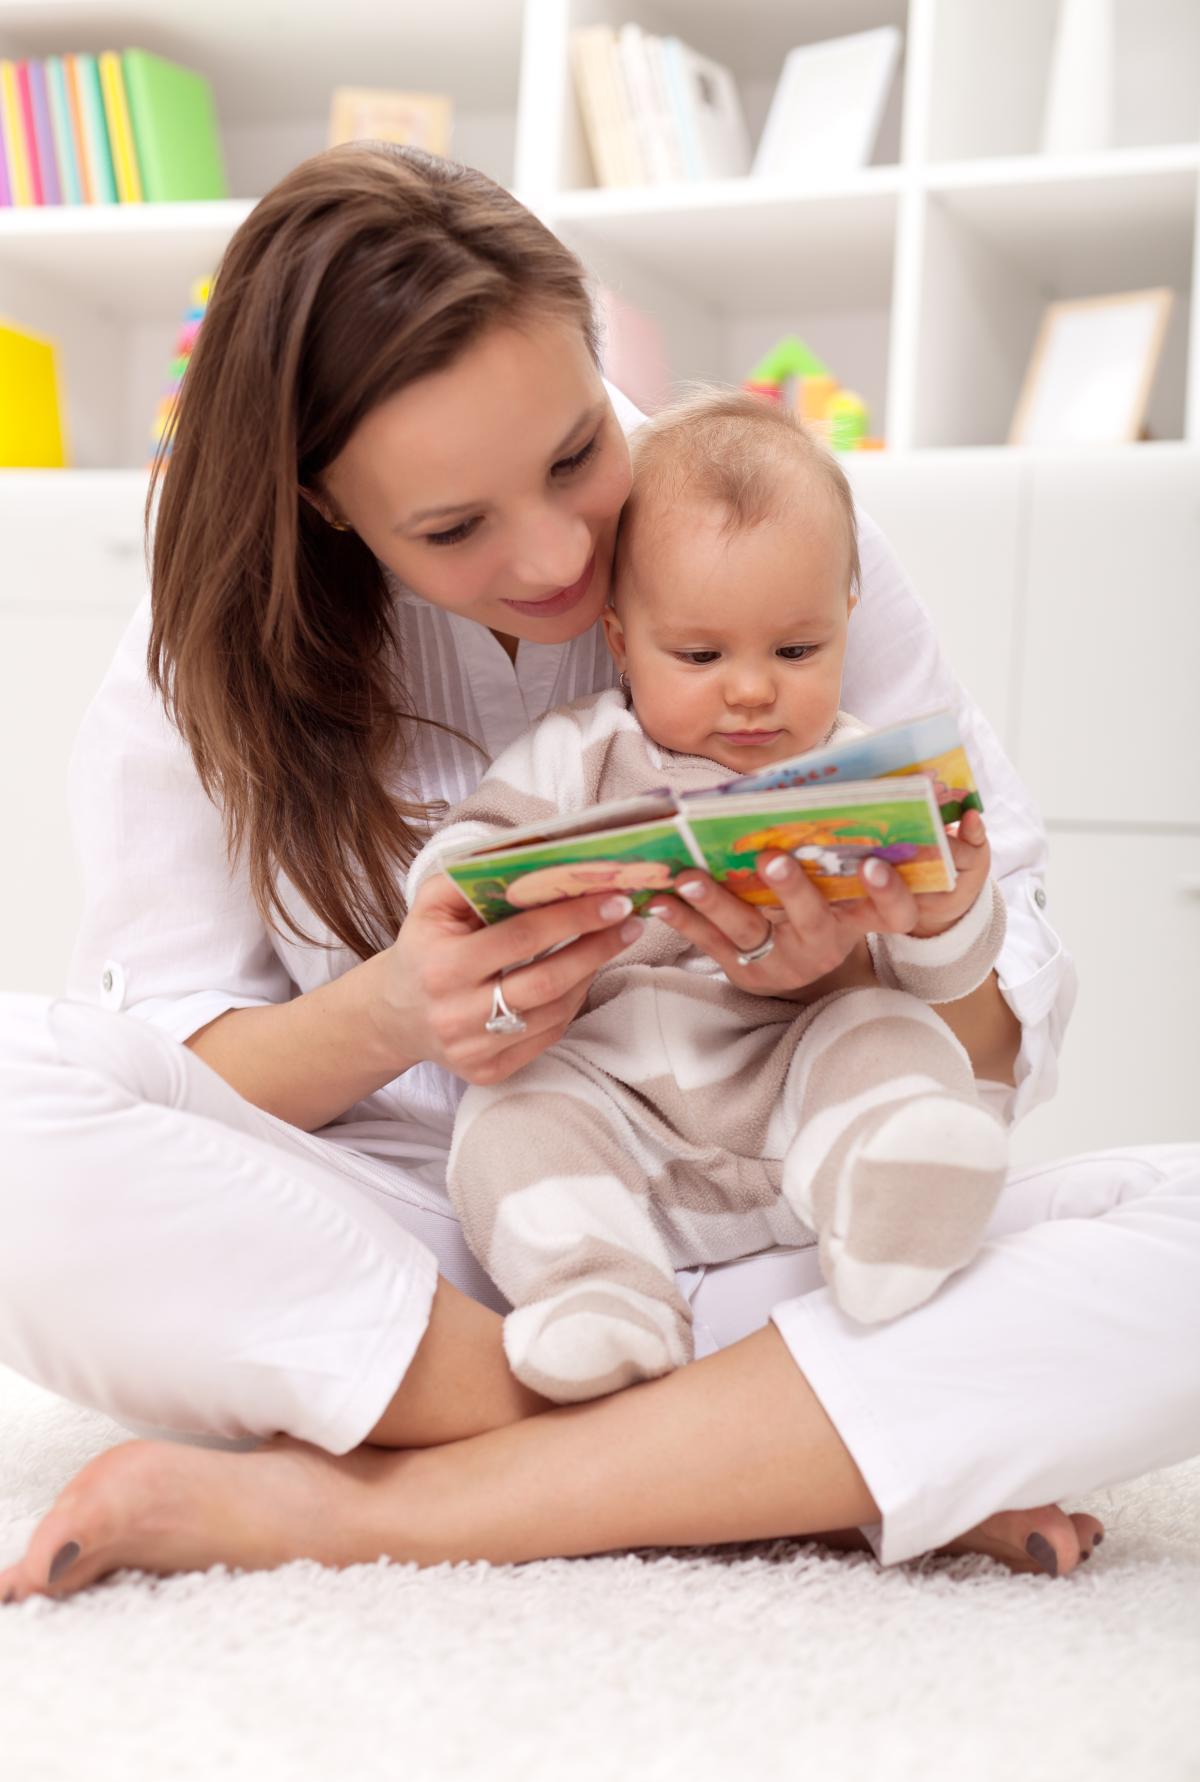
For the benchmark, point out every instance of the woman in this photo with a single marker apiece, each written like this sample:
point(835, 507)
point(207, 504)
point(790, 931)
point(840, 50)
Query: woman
point(382, 548)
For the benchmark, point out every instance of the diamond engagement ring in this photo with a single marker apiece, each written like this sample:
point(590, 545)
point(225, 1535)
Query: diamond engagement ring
point(502, 1019)
point(760, 951)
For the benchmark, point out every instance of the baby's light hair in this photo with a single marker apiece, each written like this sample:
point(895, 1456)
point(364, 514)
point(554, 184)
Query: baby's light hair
point(728, 447)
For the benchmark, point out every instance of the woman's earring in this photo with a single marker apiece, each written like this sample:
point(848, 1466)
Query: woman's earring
point(341, 525)
point(623, 680)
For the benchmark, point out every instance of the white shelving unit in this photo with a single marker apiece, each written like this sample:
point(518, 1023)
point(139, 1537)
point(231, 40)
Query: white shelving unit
point(1066, 587)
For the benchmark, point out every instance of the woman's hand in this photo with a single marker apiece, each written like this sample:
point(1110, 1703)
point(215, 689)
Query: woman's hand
point(810, 937)
point(444, 965)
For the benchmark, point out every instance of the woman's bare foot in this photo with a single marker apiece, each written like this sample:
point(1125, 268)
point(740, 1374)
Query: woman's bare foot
point(165, 1507)
point(1043, 1540)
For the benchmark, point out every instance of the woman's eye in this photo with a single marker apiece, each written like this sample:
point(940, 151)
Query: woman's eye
point(796, 652)
point(699, 658)
point(565, 466)
point(455, 535)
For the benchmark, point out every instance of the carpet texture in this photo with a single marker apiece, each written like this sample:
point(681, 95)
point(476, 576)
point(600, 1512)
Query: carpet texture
point(779, 1660)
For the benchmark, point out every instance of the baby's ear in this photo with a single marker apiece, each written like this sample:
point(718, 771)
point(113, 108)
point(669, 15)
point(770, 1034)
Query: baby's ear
point(614, 636)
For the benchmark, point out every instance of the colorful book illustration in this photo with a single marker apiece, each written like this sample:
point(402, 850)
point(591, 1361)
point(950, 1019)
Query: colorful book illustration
point(120, 130)
point(174, 125)
point(64, 135)
point(888, 794)
point(95, 130)
point(6, 196)
point(39, 101)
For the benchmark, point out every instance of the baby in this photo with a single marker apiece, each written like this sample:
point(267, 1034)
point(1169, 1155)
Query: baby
point(682, 1119)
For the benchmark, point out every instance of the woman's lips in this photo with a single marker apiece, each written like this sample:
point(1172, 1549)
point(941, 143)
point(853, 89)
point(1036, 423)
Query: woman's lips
point(562, 602)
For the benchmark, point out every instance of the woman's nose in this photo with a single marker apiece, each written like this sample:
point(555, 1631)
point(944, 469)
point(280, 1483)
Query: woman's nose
point(553, 552)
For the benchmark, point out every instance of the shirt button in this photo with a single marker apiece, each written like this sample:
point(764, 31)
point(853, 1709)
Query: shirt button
point(112, 984)
point(1039, 897)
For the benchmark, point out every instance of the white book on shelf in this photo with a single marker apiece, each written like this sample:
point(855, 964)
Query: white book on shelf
point(600, 87)
point(827, 106)
point(589, 68)
point(709, 106)
point(633, 159)
point(634, 50)
point(670, 135)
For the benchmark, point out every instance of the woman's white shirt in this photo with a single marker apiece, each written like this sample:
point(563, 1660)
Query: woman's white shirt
point(170, 933)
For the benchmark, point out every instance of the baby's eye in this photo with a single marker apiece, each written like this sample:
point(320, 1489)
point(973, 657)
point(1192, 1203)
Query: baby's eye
point(796, 652)
point(698, 658)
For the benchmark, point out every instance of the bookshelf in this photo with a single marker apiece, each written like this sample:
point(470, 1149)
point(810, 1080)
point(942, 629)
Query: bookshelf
point(919, 279)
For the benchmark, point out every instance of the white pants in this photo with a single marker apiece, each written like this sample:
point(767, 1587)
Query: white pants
point(185, 1263)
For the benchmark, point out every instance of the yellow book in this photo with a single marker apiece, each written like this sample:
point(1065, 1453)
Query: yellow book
point(120, 129)
point(14, 137)
point(31, 431)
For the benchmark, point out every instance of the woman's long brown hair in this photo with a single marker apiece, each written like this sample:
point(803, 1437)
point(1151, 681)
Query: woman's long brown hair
point(272, 640)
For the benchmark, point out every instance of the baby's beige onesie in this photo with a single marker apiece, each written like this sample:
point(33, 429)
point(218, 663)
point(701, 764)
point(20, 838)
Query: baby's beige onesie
point(683, 1120)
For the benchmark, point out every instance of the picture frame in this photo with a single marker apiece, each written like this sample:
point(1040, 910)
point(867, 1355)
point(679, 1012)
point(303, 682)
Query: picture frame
point(827, 107)
point(1091, 370)
point(418, 120)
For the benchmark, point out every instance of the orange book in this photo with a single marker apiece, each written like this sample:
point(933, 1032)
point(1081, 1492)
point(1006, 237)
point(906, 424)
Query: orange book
point(71, 76)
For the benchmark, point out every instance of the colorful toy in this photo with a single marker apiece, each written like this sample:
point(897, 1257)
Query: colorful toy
point(185, 340)
point(836, 415)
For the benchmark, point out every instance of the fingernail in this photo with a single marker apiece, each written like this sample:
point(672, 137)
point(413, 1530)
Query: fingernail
point(661, 910)
point(875, 873)
point(778, 870)
point(1039, 1548)
point(66, 1556)
point(613, 908)
point(693, 891)
point(630, 930)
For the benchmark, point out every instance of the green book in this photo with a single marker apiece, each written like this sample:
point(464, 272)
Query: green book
point(175, 129)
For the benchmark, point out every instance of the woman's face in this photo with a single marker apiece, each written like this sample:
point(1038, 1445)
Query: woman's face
point(493, 488)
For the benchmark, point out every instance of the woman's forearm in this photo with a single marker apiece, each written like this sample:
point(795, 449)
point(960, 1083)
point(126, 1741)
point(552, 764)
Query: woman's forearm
point(308, 1060)
point(987, 1027)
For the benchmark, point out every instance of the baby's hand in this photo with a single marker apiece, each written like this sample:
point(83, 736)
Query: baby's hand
point(938, 910)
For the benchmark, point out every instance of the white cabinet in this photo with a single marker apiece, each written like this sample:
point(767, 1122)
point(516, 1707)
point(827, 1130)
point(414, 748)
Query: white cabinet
point(1129, 907)
point(70, 583)
point(1109, 714)
point(957, 523)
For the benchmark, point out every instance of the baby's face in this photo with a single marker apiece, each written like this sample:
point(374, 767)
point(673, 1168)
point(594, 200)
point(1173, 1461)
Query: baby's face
point(734, 645)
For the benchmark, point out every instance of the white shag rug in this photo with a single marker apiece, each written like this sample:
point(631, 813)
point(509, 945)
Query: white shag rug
point(774, 1661)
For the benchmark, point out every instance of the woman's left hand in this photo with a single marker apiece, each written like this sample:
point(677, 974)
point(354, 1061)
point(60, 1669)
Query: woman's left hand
point(810, 937)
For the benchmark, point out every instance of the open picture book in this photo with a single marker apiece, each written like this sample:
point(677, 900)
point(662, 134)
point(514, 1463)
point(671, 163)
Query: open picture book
point(889, 793)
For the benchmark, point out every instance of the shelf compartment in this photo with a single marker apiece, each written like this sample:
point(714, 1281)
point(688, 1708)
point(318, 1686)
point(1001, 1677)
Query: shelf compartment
point(730, 267)
point(991, 68)
point(997, 250)
point(552, 154)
